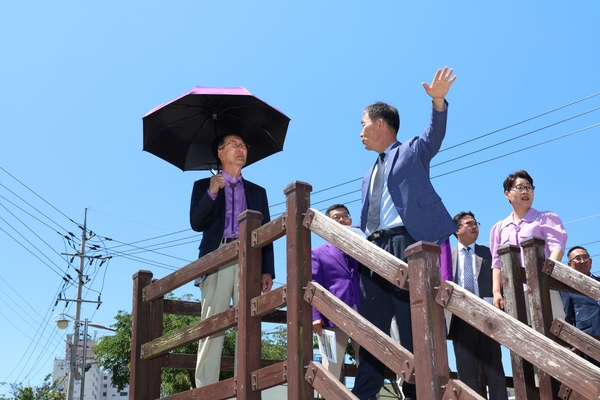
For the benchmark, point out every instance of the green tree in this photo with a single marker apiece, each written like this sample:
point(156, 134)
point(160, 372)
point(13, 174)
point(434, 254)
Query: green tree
point(47, 391)
point(114, 352)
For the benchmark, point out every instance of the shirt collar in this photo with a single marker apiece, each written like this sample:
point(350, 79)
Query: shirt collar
point(528, 217)
point(230, 180)
point(462, 246)
point(392, 146)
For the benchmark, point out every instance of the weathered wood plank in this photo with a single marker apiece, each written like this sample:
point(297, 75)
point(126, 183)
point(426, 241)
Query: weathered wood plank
point(567, 393)
point(204, 265)
point(299, 273)
point(269, 302)
point(142, 331)
point(378, 260)
point(179, 360)
point(428, 323)
point(178, 307)
point(225, 389)
point(458, 390)
point(513, 278)
point(573, 278)
point(249, 273)
point(188, 334)
point(270, 376)
point(396, 357)
point(529, 344)
point(269, 232)
point(539, 301)
point(275, 317)
point(576, 338)
point(326, 384)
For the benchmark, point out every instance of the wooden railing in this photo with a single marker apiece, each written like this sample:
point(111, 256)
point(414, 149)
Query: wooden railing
point(427, 367)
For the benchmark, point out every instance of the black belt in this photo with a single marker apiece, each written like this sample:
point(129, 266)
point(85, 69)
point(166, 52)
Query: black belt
point(228, 240)
point(387, 232)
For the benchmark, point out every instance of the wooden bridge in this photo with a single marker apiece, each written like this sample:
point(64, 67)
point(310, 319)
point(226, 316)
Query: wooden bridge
point(544, 343)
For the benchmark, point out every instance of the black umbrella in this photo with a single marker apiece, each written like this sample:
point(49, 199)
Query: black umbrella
point(182, 131)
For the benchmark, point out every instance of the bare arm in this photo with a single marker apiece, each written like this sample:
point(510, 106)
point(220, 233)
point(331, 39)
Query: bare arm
point(557, 255)
point(497, 288)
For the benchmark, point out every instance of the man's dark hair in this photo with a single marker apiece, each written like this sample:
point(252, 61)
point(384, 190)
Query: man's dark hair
point(576, 248)
point(460, 216)
point(220, 141)
point(386, 112)
point(510, 179)
point(333, 207)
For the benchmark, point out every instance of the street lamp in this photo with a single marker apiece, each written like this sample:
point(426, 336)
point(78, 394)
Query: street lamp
point(63, 323)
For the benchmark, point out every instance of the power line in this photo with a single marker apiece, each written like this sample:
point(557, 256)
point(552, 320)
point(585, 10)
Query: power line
point(37, 195)
point(516, 151)
point(515, 137)
point(520, 122)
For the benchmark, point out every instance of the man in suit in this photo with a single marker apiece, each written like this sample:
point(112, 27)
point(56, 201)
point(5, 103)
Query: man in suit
point(216, 204)
point(472, 269)
point(580, 310)
point(338, 273)
point(399, 207)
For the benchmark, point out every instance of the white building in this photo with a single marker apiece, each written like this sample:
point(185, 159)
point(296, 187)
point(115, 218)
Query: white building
point(97, 383)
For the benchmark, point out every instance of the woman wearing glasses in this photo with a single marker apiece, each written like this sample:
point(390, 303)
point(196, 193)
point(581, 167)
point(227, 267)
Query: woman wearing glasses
point(524, 222)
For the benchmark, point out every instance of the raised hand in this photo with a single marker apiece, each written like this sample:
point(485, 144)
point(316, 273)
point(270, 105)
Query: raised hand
point(441, 83)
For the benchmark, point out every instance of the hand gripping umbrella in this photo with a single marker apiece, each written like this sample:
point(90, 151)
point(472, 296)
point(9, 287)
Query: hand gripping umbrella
point(182, 131)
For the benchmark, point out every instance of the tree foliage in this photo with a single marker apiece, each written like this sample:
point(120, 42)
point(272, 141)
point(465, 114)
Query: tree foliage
point(114, 352)
point(47, 391)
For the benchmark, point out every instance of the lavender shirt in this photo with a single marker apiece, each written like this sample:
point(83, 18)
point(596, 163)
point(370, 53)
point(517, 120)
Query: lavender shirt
point(544, 224)
point(235, 204)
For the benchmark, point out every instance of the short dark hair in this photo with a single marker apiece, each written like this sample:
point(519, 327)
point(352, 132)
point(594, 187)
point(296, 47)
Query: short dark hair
point(510, 179)
point(460, 216)
point(386, 112)
point(334, 206)
point(219, 141)
point(576, 248)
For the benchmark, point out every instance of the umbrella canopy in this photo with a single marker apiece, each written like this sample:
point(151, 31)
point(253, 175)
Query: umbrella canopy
point(182, 131)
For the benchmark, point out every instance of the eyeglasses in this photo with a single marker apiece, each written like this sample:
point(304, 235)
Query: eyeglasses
point(340, 217)
point(523, 189)
point(471, 224)
point(581, 258)
point(236, 145)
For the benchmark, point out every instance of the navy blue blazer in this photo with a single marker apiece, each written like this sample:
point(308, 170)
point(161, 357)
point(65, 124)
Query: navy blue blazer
point(329, 269)
point(582, 311)
point(208, 216)
point(421, 209)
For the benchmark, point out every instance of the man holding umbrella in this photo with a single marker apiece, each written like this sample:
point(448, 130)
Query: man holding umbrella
point(215, 206)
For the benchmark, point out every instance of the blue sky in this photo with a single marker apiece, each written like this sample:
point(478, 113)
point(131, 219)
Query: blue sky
point(77, 77)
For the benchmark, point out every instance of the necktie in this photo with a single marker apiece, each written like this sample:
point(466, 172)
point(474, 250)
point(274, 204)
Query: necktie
point(468, 271)
point(375, 199)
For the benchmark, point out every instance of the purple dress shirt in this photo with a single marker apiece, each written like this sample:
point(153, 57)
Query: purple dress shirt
point(542, 224)
point(235, 204)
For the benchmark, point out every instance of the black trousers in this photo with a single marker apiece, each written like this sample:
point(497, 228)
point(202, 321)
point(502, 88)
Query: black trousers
point(472, 348)
point(380, 301)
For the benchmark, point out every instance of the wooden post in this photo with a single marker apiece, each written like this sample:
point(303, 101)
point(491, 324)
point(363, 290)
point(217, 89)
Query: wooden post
point(428, 324)
point(540, 308)
point(299, 272)
point(514, 305)
point(144, 375)
point(249, 335)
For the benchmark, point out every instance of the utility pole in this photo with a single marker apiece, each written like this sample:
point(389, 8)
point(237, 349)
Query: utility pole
point(75, 343)
point(73, 372)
